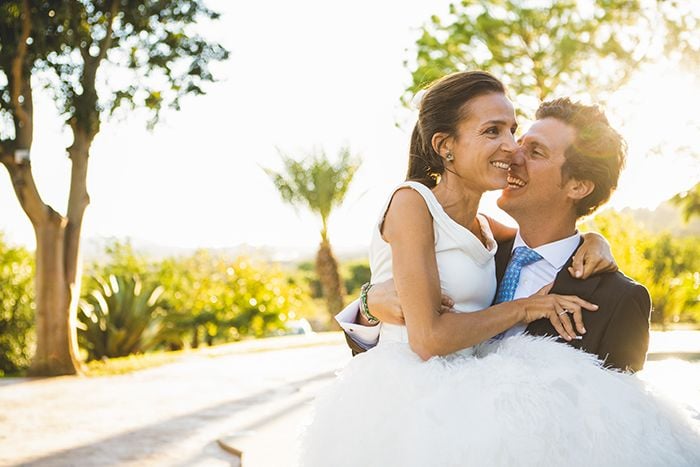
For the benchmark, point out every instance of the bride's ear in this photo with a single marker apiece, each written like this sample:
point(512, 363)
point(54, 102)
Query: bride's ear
point(439, 141)
point(579, 189)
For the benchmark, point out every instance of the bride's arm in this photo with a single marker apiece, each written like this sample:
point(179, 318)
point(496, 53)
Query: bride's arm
point(408, 227)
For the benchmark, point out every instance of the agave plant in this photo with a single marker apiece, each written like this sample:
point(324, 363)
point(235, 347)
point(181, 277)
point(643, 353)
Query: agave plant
point(120, 316)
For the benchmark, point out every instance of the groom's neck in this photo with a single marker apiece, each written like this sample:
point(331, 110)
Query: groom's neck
point(536, 234)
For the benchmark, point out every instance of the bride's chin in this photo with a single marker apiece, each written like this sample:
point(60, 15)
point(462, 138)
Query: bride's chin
point(499, 184)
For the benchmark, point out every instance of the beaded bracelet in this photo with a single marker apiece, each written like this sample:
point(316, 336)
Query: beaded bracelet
point(364, 309)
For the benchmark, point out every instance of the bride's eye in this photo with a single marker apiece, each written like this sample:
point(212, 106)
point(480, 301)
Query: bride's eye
point(492, 131)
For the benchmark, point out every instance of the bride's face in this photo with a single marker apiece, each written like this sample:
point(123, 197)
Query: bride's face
point(484, 143)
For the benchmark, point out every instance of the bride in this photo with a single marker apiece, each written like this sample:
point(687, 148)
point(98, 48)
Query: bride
point(420, 397)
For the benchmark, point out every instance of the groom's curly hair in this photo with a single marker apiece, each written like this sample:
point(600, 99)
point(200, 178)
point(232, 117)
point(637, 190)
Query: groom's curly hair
point(597, 154)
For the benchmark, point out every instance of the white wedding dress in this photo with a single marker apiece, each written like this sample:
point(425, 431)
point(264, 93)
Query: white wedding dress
point(523, 401)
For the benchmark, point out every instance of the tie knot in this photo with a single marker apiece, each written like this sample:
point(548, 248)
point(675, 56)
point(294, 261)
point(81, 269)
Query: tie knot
point(523, 256)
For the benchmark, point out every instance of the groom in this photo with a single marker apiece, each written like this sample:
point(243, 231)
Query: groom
point(567, 166)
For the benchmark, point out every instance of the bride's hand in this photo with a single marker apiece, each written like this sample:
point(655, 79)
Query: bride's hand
point(555, 307)
point(594, 256)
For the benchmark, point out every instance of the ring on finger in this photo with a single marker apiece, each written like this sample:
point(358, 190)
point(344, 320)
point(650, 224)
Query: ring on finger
point(564, 312)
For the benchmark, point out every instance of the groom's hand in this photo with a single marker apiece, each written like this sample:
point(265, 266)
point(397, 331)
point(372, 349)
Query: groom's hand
point(383, 302)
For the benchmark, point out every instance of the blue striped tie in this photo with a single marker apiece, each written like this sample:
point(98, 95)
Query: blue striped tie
point(522, 256)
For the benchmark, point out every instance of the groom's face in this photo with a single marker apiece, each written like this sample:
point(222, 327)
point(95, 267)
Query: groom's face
point(535, 184)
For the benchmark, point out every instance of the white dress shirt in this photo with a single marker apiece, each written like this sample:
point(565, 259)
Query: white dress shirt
point(540, 273)
point(365, 336)
point(532, 278)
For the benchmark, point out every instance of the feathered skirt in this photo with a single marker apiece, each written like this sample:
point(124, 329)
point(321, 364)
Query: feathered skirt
point(523, 401)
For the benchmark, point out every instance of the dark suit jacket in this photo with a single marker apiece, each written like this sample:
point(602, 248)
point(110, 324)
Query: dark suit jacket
point(618, 333)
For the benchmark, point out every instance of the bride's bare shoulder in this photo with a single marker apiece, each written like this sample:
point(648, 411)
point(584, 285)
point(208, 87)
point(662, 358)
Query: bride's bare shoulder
point(406, 214)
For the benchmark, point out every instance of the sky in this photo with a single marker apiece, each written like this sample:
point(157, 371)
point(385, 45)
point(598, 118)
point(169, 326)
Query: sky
point(304, 76)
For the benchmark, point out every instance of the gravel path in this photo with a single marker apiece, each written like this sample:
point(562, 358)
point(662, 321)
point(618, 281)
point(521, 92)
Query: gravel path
point(171, 415)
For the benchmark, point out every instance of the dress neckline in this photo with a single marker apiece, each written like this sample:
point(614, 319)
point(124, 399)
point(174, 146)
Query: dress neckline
point(488, 249)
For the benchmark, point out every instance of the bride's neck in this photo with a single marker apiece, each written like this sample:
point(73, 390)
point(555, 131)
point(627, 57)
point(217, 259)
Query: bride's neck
point(459, 202)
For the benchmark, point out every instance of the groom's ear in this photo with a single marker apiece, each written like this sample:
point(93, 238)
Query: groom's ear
point(579, 189)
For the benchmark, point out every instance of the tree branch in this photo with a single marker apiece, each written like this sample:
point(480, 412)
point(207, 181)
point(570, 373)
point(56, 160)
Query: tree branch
point(20, 87)
point(78, 199)
point(106, 41)
point(83, 134)
point(7, 150)
point(17, 75)
point(25, 189)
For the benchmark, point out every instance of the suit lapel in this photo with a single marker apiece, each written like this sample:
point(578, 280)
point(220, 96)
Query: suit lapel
point(502, 258)
point(564, 284)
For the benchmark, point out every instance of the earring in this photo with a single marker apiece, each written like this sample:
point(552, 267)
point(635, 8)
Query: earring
point(449, 156)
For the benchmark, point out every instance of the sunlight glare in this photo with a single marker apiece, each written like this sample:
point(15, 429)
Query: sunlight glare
point(656, 113)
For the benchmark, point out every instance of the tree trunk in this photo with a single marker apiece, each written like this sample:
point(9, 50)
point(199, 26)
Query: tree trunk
point(195, 338)
point(57, 261)
point(58, 272)
point(57, 350)
point(56, 292)
point(331, 283)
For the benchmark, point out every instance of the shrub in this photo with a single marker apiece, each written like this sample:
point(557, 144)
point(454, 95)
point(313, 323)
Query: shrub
point(16, 309)
point(214, 299)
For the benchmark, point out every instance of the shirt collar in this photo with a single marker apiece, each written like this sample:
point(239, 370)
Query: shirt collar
point(555, 253)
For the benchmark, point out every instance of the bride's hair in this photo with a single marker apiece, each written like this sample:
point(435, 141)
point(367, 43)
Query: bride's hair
point(441, 109)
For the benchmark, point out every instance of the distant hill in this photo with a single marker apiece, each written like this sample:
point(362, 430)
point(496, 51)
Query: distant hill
point(93, 249)
point(666, 217)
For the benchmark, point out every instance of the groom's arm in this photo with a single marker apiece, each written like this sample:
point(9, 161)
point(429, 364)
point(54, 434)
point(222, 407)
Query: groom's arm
point(626, 340)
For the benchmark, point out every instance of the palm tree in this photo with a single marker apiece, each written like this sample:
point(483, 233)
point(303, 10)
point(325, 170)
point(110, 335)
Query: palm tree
point(320, 186)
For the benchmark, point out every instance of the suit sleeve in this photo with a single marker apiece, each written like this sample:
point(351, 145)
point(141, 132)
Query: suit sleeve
point(355, 347)
point(358, 337)
point(626, 339)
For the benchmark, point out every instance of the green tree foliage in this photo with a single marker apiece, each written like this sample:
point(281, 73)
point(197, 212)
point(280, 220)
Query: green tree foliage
point(95, 57)
point(540, 48)
point(16, 308)
point(668, 266)
point(355, 273)
point(689, 201)
point(120, 316)
point(319, 185)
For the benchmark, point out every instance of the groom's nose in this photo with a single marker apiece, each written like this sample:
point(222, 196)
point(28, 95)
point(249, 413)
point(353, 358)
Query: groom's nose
point(518, 156)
